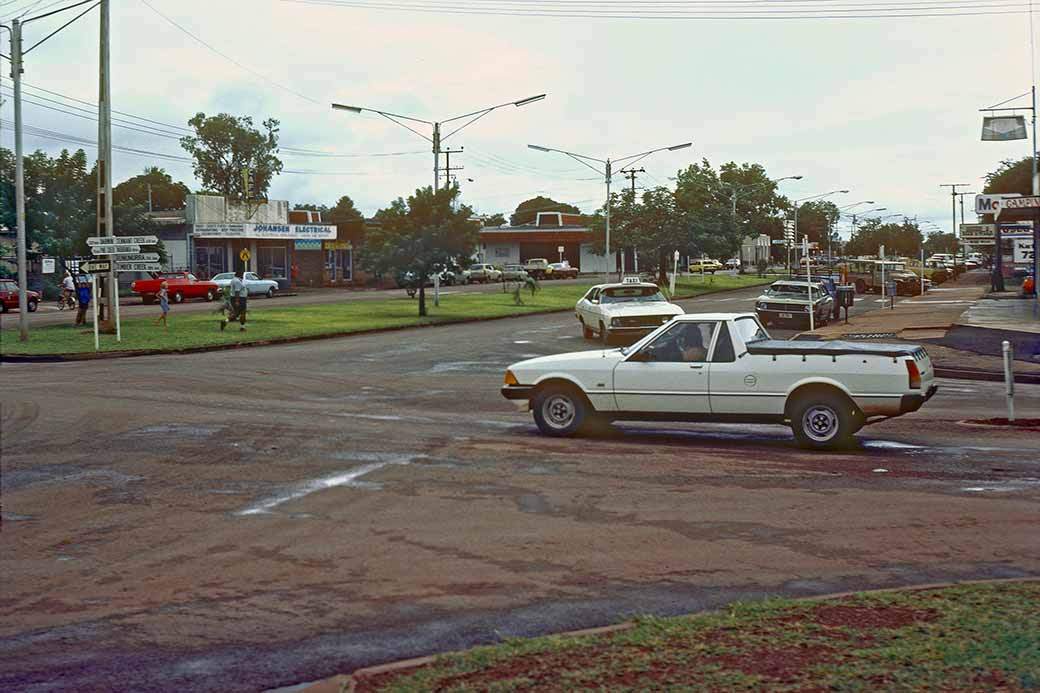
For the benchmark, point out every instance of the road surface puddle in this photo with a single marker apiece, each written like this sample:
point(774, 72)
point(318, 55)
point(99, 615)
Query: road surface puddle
point(350, 478)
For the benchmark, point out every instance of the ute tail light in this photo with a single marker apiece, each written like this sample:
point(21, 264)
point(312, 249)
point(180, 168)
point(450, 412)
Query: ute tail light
point(914, 373)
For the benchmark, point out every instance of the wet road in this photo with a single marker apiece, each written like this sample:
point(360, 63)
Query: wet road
point(247, 519)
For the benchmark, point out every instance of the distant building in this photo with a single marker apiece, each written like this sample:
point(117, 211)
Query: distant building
point(755, 248)
point(550, 231)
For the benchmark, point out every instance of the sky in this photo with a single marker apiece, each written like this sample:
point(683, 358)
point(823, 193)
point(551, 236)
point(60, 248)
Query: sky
point(886, 108)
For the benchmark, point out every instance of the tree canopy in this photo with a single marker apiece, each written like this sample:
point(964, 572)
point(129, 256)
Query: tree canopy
point(224, 145)
point(166, 193)
point(1011, 177)
point(421, 235)
point(527, 211)
point(900, 240)
point(344, 211)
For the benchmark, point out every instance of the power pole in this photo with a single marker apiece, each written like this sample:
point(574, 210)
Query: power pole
point(447, 165)
point(630, 174)
point(104, 189)
point(436, 156)
point(19, 179)
point(149, 197)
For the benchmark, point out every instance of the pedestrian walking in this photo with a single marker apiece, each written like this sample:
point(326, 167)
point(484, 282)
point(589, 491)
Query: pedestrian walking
point(239, 295)
point(164, 304)
point(83, 298)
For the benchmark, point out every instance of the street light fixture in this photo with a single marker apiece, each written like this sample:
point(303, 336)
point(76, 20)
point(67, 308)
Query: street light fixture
point(437, 138)
point(734, 188)
point(607, 173)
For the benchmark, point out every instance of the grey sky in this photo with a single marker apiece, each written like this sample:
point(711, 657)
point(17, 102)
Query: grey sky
point(884, 107)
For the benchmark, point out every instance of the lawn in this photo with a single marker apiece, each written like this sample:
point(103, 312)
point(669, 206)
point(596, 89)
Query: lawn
point(194, 330)
point(970, 637)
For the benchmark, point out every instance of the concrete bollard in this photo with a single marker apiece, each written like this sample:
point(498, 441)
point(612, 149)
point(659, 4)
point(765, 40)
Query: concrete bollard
point(1009, 380)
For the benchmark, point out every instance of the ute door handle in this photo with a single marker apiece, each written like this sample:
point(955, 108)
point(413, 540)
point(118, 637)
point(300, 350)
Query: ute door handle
point(696, 366)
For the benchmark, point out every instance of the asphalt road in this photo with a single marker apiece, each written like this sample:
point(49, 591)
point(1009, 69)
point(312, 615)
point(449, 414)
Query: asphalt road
point(241, 520)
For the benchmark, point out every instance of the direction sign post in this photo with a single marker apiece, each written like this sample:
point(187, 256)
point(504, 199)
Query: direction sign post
point(95, 266)
point(137, 257)
point(122, 240)
point(136, 266)
point(114, 249)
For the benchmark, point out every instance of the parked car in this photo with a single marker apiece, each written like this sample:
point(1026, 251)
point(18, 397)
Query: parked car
point(631, 308)
point(9, 297)
point(514, 273)
point(787, 302)
point(733, 263)
point(408, 281)
point(829, 282)
point(254, 284)
point(724, 367)
point(536, 267)
point(561, 270)
point(181, 286)
point(707, 265)
point(481, 273)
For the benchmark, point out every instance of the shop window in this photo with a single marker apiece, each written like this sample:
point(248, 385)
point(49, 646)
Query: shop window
point(210, 261)
point(272, 262)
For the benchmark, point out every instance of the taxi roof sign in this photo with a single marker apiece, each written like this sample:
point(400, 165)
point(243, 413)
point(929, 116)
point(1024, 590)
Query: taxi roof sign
point(631, 280)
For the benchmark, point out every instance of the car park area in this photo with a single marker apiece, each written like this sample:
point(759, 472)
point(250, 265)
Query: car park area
point(397, 505)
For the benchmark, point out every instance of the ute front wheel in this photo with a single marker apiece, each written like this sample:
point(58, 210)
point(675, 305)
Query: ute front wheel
point(559, 411)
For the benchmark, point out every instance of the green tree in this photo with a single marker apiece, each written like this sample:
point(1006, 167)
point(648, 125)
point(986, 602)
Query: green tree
point(496, 219)
point(815, 219)
point(1011, 177)
point(759, 209)
point(939, 242)
point(527, 211)
point(344, 211)
point(900, 240)
point(166, 193)
point(420, 235)
point(224, 145)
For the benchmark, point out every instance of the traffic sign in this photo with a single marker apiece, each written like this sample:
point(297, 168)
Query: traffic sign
point(137, 257)
point(123, 240)
point(95, 266)
point(114, 249)
point(138, 267)
point(244, 255)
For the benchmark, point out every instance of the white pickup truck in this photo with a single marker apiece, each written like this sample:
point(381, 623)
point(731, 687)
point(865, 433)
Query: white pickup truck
point(723, 367)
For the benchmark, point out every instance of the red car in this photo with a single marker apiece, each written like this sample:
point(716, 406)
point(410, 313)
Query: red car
point(9, 297)
point(180, 285)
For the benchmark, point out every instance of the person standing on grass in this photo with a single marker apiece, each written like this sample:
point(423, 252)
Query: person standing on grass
point(164, 304)
point(239, 295)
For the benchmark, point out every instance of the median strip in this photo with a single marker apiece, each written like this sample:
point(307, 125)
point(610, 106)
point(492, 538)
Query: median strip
point(194, 332)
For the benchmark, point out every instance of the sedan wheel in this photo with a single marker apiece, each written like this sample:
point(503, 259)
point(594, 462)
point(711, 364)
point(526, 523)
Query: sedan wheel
point(586, 331)
point(270, 292)
point(559, 411)
point(31, 305)
point(178, 297)
point(210, 295)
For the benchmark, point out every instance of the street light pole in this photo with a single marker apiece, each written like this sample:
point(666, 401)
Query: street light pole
point(437, 138)
point(19, 180)
point(607, 172)
point(797, 205)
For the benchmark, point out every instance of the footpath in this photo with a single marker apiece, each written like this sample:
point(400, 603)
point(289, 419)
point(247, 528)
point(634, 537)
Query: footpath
point(961, 326)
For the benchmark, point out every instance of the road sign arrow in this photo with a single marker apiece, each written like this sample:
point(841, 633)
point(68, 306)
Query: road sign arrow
point(114, 249)
point(138, 267)
point(95, 266)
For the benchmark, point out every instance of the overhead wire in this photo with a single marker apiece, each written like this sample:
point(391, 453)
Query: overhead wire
point(766, 10)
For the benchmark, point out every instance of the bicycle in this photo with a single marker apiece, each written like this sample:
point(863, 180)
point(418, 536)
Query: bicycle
point(66, 301)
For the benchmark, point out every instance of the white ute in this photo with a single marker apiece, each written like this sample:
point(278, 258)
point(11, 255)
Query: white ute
point(723, 367)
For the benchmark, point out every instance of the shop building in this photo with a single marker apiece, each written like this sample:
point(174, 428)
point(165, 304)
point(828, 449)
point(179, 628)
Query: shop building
point(556, 236)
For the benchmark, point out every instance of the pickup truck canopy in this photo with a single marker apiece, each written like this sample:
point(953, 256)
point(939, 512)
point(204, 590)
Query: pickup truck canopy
point(777, 347)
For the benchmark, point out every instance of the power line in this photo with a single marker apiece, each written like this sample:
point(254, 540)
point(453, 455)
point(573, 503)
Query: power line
point(764, 12)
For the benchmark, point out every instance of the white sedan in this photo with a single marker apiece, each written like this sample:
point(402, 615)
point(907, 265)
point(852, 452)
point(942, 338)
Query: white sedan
point(254, 284)
point(631, 307)
point(723, 367)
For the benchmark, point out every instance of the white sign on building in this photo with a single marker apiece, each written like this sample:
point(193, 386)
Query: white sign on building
point(268, 231)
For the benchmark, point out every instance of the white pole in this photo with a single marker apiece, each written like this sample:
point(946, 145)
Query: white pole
point(436, 288)
point(1009, 379)
point(19, 181)
point(93, 303)
point(922, 270)
point(702, 268)
point(675, 270)
point(881, 252)
point(606, 245)
point(808, 276)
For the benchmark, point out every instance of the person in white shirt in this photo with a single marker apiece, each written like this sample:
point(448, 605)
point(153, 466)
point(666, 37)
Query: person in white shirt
point(239, 294)
point(68, 286)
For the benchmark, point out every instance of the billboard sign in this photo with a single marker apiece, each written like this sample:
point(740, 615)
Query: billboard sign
point(990, 204)
point(1003, 128)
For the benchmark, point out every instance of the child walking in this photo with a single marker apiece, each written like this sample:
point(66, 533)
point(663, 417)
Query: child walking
point(164, 303)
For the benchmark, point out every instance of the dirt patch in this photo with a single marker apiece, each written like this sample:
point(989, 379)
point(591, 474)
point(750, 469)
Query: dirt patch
point(869, 617)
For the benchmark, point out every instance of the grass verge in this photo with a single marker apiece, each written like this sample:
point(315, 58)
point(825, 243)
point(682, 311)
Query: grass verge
point(201, 330)
point(969, 637)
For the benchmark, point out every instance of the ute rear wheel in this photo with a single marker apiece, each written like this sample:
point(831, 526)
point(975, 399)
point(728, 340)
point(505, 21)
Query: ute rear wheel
point(559, 411)
point(822, 420)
